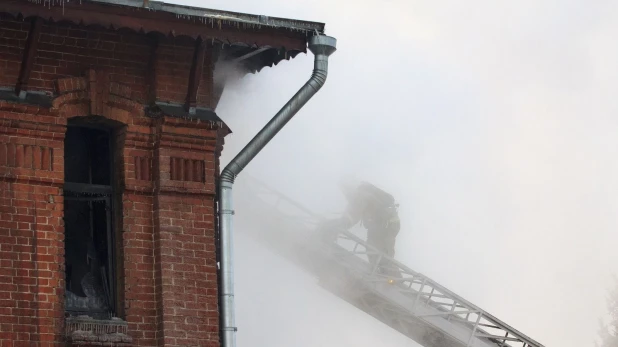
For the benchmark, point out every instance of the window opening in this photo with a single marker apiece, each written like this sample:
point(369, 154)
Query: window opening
point(88, 219)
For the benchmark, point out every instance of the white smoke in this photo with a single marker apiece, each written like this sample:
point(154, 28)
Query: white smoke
point(493, 124)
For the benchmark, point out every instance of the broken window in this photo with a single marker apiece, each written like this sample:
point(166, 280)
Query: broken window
point(88, 221)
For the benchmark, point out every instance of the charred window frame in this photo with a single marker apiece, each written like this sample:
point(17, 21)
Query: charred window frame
point(91, 251)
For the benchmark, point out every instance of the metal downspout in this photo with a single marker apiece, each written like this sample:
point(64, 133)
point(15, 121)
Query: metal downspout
point(322, 47)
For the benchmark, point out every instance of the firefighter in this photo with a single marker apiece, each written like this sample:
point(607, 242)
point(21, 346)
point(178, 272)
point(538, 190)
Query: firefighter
point(376, 210)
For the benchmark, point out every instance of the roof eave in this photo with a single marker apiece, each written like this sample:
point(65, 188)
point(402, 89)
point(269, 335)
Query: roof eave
point(189, 11)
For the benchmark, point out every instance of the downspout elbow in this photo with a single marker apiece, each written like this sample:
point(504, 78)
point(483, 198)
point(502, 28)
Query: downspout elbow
point(322, 47)
point(227, 175)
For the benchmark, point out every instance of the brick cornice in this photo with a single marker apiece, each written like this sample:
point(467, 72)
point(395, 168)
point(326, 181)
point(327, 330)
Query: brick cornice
point(16, 107)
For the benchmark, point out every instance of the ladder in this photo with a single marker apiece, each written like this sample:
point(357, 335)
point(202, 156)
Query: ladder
point(406, 300)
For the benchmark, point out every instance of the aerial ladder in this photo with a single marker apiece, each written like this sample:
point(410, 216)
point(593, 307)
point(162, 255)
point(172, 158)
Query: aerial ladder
point(406, 300)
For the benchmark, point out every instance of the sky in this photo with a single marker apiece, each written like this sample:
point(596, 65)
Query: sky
point(492, 123)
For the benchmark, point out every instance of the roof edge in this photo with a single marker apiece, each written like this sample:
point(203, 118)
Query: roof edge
point(190, 11)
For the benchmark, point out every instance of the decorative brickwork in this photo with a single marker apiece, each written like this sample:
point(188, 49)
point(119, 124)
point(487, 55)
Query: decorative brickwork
point(26, 156)
point(143, 168)
point(84, 331)
point(189, 170)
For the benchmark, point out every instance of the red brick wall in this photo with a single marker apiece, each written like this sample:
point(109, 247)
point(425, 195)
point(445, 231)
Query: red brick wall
point(69, 50)
point(185, 237)
point(166, 171)
point(174, 64)
point(31, 228)
point(13, 35)
point(138, 238)
point(205, 93)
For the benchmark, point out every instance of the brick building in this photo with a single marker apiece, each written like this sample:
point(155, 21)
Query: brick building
point(109, 147)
